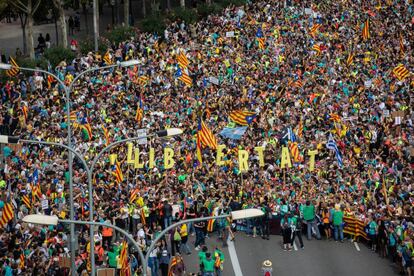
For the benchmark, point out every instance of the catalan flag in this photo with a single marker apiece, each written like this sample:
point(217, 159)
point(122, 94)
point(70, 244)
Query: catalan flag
point(299, 130)
point(140, 111)
point(25, 111)
point(182, 60)
point(317, 49)
point(72, 116)
point(107, 58)
point(8, 214)
point(243, 118)
point(142, 80)
point(87, 131)
point(172, 265)
point(106, 134)
point(143, 218)
point(260, 38)
point(220, 40)
point(334, 117)
point(26, 201)
point(133, 196)
point(117, 172)
point(123, 260)
point(36, 192)
point(314, 29)
point(294, 150)
point(198, 149)
point(365, 31)
point(206, 136)
point(298, 84)
point(184, 77)
point(400, 72)
point(210, 225)
point(21, 265)
point(50, 81)
point(12, 72)
point(350, 59)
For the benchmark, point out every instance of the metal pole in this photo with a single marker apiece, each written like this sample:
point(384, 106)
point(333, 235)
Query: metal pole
point(165, 231)
point(116, 228)
point(95, 23)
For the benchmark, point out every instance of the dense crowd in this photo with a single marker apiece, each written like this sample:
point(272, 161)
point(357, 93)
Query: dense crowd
point(345, 88)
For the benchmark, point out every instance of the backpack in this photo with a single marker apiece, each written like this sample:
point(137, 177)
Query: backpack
point(177, 236)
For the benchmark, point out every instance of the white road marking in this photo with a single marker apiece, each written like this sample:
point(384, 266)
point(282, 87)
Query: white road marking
point(294, 246)
point(233, 258)
point(357, 246)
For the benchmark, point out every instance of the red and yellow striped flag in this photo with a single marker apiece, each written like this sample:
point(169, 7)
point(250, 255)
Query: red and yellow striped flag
point(206, 136)
point(350, 59)
point(12, 72)
point(365, 31)
point(133, 196)
point(123, 260)
point(8, 214)
point(183, 60)
point(142, 80)
point(26, 201)
point(314, 29)
point(402, 45)
point(400, 72)
point(119, 177)
point(106, 134)
point(317, 49)
point(294, 150)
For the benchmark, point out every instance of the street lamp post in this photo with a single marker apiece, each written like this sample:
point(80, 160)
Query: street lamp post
point(53, 220)
point(89, 170)
point(68, 90)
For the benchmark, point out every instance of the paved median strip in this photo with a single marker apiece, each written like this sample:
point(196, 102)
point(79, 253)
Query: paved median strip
point(233, 257)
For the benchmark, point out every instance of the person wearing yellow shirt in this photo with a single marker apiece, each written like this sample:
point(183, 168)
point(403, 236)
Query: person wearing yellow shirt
point(184, 248)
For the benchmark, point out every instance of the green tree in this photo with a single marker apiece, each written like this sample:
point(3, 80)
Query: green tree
point(27, 8)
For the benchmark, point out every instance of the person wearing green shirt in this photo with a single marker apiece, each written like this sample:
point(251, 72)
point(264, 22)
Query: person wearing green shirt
point(337, 221)
point(372, 233)
point(202, 257)
point(112, 261)
point(309, 217)
point(208, 264)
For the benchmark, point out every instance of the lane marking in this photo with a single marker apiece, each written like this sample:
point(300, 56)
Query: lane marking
point(357, 246)
point(233, 258)
point(294, 246)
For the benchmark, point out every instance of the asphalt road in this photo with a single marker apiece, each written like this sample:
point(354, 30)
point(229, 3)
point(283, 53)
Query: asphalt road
point(318, 258)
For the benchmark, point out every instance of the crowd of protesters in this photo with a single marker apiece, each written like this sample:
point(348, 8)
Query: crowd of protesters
point(287, 82)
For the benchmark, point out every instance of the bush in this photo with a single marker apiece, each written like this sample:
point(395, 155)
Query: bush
point(205, 10)
point(153, 24)
point(120, 34)
point(32, 63)
point(57, 54)
point(188, 15)
point(87, 45)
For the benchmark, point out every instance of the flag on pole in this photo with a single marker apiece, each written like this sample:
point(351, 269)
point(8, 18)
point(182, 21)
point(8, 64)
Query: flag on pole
point(142, 80)
point(184, 77)
point(332, 146)
point(172, 265)
point(133, 196)
point(140, 111)
point(107, 58)
point(117, 172)
point(106, 134)
point(123, 260)
point(183, 60)
point(242, 118)
point(26, 201)
point(87, 131)
point(206, 136)
point(198, 150)
point(317, 49)
point(8, 214)
point(400, 72)
point(365, 31)
point(12, 72)
point(350, 59)
point(294, 150)
point(314, 29)
point(260, 38)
